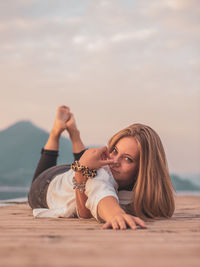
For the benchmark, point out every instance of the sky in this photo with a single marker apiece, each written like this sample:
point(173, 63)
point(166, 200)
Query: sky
point(113, 62)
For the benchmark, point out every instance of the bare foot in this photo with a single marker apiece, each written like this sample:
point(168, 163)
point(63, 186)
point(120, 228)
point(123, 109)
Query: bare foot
point(62, 116)
point(71, 126)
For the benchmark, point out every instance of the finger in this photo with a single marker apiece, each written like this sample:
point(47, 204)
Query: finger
point(107, 153)
point(130, 222)
point(103, 149)
point(107, 225)
point(107, 162)
point(103, 156)
point(140, 222)
point(122, 224)
point(115, 225)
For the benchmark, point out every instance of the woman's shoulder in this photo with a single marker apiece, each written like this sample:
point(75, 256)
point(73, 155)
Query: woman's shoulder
point(104, 175)
point(105, 172)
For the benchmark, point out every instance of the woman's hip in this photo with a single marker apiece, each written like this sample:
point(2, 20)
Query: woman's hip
point(39, 187)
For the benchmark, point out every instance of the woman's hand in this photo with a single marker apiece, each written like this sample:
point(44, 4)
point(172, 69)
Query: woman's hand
point(122, 220)
point(96, 158)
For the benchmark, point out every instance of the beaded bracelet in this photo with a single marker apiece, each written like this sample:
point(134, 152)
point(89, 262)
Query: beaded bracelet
point(79, 186)
point(83, 169)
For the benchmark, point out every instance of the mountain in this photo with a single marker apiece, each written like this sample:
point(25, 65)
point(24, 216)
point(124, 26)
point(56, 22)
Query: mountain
point(21, 145)
point(193, 177)
point(181, 184)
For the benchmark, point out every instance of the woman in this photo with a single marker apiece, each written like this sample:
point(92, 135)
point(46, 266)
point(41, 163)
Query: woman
point(132, 181)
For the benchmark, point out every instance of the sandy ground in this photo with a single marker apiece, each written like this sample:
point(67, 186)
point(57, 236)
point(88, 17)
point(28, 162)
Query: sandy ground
point(25, 241)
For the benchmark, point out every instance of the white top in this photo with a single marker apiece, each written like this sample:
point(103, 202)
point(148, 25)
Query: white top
point(61, 198)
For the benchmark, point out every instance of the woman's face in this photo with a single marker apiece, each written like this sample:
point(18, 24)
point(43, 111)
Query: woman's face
point(126, 157)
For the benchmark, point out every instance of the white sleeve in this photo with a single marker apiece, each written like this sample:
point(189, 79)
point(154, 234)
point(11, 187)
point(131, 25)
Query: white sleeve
point(54, 213)
point(48, 213)
point(103, 185)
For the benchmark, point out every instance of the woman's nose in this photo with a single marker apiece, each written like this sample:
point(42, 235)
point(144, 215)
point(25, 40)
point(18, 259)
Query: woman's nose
point(116, 161)
point(116, 164)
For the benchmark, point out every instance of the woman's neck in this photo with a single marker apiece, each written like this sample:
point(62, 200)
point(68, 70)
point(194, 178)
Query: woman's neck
point(127, 188)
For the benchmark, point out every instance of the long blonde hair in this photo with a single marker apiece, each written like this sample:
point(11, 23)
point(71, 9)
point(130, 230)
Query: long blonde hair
point(153, 192)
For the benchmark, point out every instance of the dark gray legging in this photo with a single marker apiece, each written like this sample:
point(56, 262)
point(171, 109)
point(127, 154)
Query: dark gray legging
point(45, 172)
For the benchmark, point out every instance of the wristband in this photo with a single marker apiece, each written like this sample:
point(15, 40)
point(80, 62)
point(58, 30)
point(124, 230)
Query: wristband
point(79, 186)
point(83, 169)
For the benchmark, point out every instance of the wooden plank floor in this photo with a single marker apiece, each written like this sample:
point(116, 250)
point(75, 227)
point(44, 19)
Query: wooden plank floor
point(25, 241)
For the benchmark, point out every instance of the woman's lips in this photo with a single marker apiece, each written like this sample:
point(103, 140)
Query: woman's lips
point(113, 170)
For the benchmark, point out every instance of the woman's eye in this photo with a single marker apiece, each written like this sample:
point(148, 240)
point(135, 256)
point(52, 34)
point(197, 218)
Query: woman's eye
point(128, 159)
point(114, 151)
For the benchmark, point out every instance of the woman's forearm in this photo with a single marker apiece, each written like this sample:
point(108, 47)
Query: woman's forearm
point(115, 217)
point(109, 207)
point(81, 199)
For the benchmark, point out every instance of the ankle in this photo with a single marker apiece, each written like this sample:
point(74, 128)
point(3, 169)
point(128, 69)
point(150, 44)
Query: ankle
point(74, 135)
point(55, 134)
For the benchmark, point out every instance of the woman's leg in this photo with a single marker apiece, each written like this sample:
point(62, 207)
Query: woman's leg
point(44, 173)
point(64, 121)
point(49, 155)
point(47, 160)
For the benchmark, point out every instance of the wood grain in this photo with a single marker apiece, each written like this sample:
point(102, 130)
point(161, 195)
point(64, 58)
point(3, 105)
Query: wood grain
point(25, 241)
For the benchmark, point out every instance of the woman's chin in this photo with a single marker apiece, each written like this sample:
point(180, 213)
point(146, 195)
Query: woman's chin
point(114, 173)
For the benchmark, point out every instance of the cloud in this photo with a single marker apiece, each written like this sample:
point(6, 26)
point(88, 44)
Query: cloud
point(89, 43)
point(79, 39)
point(93, 43)
point(120, 60)
point(179, 5)
point(138, 35)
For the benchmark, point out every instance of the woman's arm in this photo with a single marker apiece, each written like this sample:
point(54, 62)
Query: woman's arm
point(81, 199)
point(92, 158)
point(115, 217)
